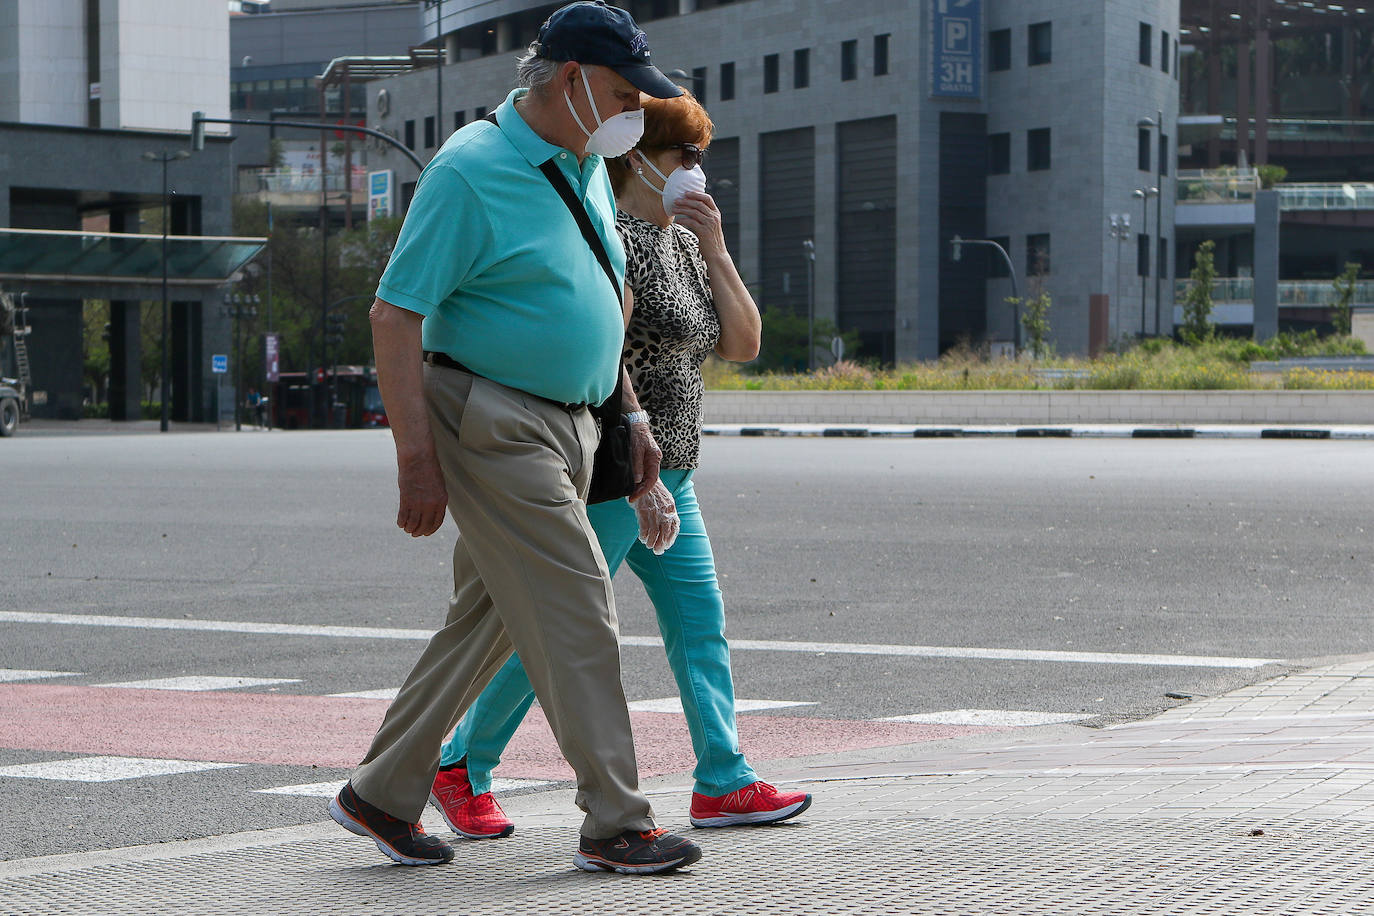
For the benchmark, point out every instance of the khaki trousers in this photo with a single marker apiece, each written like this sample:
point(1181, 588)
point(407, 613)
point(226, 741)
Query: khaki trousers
point(529, 577)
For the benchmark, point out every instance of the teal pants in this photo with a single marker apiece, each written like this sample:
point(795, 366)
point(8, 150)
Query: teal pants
point(691, 616)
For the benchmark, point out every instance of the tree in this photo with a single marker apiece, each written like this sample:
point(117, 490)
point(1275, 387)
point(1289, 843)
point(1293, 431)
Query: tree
point(783, 347)
point(1197, 305)
point(1270, 175)
point(1035, 320)
point(1345, 297)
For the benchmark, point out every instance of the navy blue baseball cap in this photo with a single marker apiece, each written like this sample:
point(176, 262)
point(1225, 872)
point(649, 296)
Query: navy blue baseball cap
point(590, 32)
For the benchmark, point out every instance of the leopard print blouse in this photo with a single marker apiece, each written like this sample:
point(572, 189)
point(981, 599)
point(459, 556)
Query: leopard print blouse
point(673, 328)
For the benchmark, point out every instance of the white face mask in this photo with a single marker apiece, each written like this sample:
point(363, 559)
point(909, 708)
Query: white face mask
point(613, 137)
point(677, 184)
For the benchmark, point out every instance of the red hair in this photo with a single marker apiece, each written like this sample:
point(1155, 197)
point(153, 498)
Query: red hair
point(667, 123)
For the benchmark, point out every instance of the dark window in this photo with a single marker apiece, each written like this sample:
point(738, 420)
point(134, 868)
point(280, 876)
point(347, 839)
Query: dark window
point(1142, 149)
point(1037, 254)
point(866, 230)
point(801, 68)
point(727, 81)
point(1142, 255)
point(786, 214)
point(1040, 50)
point(880, 43)
point(999, 50)
point(1163, 154)
point(999, 154)
point(997, 265)
point(410, 134)
point(849, 60)
point(1038, 149)
point(459, 119)
point(1177, 65)
point(699, 82)
point(479, 113)
point(1147, 43)
point(770, 73)
point(429, 132)
point(1164, 54)
point(723, 184)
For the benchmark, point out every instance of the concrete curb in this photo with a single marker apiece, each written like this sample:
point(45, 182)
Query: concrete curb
point(1115, 431)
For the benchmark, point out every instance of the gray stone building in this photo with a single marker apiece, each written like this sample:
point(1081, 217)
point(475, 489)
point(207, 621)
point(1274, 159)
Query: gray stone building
point(836, 125)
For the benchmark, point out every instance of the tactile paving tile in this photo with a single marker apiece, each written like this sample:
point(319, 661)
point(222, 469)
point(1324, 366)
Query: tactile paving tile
point(893, 865)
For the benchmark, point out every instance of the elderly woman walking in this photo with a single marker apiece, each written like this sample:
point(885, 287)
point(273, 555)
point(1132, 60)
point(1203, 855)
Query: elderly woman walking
point(685, 300)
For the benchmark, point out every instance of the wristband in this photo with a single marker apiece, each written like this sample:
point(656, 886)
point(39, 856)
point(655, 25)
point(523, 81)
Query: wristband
point(637, 416)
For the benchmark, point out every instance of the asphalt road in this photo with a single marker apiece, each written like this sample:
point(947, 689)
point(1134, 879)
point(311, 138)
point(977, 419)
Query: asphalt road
point(1232, 548)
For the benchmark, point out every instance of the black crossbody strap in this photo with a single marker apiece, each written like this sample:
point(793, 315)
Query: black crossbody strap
point(584, 222)
point(579, 213)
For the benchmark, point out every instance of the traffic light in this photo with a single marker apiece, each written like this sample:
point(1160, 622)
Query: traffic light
point(334, 328)
point(197, 130)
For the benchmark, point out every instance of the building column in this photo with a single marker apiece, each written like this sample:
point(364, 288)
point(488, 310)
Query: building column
point(1263, 89)
point(1242, 100)
point(1214, 100)
point(1266, 270)
point(126, 360)
point(686, 6)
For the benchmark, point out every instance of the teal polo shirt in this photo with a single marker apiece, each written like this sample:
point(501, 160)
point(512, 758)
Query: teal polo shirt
point(496, 264)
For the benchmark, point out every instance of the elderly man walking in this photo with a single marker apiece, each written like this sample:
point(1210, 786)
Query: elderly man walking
point(495, 327)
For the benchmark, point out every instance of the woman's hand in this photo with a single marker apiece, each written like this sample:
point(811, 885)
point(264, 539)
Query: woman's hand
point(658, 519)
point(698, 213)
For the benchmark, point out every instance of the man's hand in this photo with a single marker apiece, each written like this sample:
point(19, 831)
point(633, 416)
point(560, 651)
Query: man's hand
point(645, 458)
point(423, 495)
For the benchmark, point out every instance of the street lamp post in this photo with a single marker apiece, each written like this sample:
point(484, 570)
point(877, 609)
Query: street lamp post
point(1144, 194)
point(680, 74)
point(958, 255)
point(165, 157)
point(1120, 230)
point(809, 247)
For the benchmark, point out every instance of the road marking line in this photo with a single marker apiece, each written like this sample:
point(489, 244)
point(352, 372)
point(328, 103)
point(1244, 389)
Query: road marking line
point(330, 789)
point(385, 693)
point(673, 705)
point(738, 645)
point(1007, 718)
point(108, 769)
point(201, 683)
point(22, 674)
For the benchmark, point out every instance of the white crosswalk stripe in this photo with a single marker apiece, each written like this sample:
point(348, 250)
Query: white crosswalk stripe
point(108, 769)
point(24, 674)
point(1004, 718)
point(201, 683)
point(330, 789)
point(674, 705)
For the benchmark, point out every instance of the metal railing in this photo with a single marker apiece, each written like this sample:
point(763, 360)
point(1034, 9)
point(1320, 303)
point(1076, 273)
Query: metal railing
point(1326, 196)
point(1309, 129)
point(1217, 186)
point(1292, 293)
point(302, 180)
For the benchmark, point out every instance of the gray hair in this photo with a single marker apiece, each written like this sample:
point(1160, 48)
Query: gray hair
point(533, 72)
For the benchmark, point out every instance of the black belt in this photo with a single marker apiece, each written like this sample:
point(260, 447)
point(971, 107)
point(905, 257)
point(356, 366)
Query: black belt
point(436, 358)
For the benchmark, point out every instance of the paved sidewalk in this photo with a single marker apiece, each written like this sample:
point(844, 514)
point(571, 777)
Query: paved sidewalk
point(1061, 431)
point(1259, 801)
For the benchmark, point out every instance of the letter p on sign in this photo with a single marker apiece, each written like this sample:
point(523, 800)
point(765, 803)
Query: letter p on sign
point(958, 36)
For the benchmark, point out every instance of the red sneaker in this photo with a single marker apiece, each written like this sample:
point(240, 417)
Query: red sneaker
point(756, 803)
point(477, 817)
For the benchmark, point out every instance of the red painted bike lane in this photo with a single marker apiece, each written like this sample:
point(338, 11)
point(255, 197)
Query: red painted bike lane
point(334, 732)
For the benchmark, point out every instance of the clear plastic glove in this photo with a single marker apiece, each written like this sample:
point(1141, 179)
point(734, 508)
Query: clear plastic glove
point(658, 520)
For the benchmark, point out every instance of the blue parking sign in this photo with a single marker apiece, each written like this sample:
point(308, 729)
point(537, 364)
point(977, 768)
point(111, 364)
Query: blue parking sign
point(956, 49)
point(219, 363)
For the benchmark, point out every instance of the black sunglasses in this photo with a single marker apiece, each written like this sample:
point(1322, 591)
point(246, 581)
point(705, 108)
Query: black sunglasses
point(691, 154)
